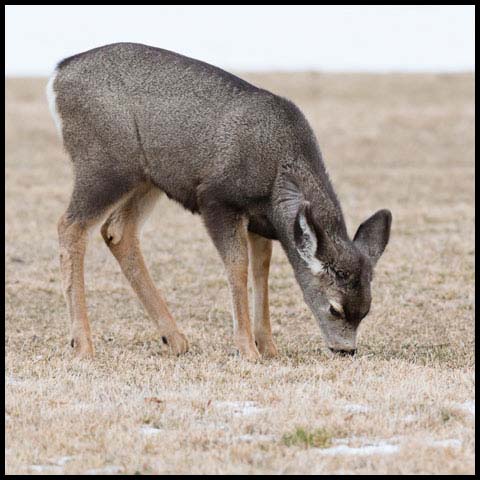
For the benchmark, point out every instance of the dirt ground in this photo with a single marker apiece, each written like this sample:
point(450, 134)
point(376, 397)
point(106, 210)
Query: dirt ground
point(403, 405)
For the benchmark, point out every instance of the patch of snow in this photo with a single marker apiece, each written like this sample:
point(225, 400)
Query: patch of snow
point(13, 381)
point(356, 408)
point(44, 468)
point(219, 426)
point(63, 460)
point(109, 470)
point(83, 406)
point(410, 418)
point(375, 449)
point(213, 426)
point(54, 467)
point(449, 442)
point(255, 438)
point(468, 406)
point(378, 446)
point(365, 441)
point(147, 430)
point(241, 408)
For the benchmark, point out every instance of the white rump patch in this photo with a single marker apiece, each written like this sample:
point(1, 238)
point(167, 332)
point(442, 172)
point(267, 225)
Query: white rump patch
point(52, 103)
point(308, 251)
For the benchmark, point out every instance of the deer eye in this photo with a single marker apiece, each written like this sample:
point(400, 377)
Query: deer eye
point(336, 313)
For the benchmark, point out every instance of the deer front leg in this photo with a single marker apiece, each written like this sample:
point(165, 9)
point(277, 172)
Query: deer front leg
point(260, 255)
point(229, 233)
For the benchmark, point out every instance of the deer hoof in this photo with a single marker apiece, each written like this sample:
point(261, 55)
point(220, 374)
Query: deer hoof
point(177, 342)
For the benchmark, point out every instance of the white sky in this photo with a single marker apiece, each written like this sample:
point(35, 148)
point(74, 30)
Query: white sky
point(329, 38)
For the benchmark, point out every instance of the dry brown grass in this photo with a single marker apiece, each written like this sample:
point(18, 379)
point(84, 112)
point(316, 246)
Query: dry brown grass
point(404, 142)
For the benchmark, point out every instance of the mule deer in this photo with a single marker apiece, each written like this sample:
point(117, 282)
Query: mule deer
point(137, 121)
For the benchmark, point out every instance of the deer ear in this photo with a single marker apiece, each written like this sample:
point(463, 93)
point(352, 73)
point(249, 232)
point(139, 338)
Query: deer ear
point(306, 239)
point(373, 234)
point(312, 243)
point(291, 197)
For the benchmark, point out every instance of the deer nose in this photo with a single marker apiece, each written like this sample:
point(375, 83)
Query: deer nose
point(344, 352)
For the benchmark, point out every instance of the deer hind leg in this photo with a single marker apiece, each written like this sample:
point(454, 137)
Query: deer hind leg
point(260, 255)
point(90, 202)
point(73, 237)
point(229, 233)
point(121, 232)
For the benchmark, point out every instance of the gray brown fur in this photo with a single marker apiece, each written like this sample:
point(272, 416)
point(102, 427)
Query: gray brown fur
point(136, 118)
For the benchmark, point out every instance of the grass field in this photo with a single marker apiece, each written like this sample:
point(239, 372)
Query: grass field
point(404, 404)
